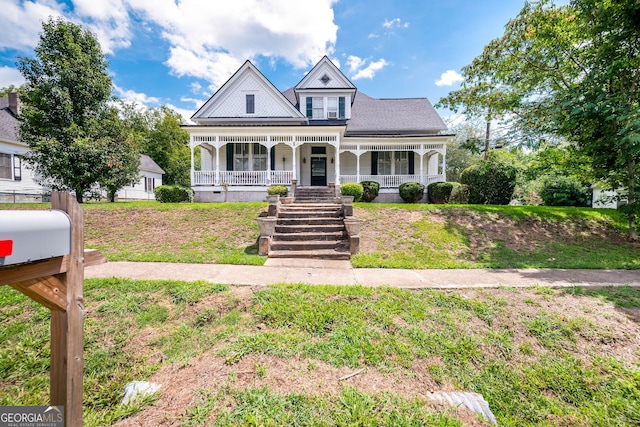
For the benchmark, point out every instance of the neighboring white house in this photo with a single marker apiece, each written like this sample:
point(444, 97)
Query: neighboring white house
point(150, 178)
point(17, 181)
point(604, 198)
point(321, 131)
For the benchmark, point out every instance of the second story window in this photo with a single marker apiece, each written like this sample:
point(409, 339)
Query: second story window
point(251, 104)
point(318, 108)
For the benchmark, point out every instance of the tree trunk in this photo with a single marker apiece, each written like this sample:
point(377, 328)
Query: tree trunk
point(487, 134)
point(631, 199)
point(111, 194)
point(79, 198)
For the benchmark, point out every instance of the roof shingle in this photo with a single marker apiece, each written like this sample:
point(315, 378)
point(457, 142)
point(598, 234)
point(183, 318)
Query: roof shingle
point(8, 122)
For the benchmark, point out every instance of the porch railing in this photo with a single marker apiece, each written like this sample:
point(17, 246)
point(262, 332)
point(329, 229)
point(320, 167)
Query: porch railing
point(393, 181)
point(241, 178)
point(284, 178)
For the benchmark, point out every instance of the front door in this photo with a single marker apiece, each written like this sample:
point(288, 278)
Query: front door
point(319, 171)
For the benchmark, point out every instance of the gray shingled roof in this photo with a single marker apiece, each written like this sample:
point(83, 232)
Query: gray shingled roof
point(393, 116)
point(8, 122)
point(397, 116)
point(147, 164)
point(290, 94)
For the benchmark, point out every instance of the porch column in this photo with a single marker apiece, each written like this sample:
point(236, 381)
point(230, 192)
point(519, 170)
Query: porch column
point(294, 162)
point(422, 168)
point(217, 179)
point(358, 154)
point(337, 148)
point(269, 162)
point(193, 168)
point(444, 166)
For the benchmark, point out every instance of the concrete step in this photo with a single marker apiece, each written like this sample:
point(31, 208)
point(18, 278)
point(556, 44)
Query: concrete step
point(310, 228)
point(305, 214)
point(311, 206)
point(308, 221)
point(303, 235)
point(307, 245)
point(317, 254)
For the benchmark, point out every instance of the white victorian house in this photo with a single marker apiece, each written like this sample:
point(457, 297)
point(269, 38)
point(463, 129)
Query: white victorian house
point(319, 132)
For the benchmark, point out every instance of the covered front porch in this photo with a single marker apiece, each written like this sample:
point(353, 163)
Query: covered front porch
point(238, 164)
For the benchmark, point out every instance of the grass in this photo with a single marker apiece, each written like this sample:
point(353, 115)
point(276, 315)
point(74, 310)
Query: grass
point(540, 357)
point(485, 236)
point(393, 235)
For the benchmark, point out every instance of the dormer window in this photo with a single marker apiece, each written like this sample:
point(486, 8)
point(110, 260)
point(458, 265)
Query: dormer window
point(329, 108)
point(251, 104)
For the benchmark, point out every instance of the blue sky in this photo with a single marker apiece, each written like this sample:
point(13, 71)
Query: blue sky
point(178, 52)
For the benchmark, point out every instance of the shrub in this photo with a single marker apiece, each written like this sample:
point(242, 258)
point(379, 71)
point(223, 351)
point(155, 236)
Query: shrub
point(491, 181)
point(173, 194)
point(352, 189)
point(279, 190)
point(564, 191)
point(440, 192)
point(459, 194)
point(371, 190)
point(411, 192)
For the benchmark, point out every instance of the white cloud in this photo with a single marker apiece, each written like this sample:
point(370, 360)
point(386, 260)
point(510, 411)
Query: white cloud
point(21, 21)
point(10, 76)
point(358, 68)
point(108, 19)
point(137, 98)
point(210, 40)
point(186, 114)
point(449, 78)
point(396, 22)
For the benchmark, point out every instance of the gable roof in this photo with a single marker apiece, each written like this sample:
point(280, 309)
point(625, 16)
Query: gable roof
point(147, 164)
point(247, 73)
point(8, 122)
point(406, 116)
point(325, 75)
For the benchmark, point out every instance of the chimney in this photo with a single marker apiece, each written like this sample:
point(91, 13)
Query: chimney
point(14, 103)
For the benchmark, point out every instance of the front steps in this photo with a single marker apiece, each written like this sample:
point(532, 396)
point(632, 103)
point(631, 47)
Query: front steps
point(315, 195)
point(311, 227)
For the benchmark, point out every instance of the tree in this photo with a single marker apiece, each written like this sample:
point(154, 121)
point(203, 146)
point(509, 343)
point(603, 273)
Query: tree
point(462, 151)
point(574, 70)
point(162, 139)
point(5, 91)
point(66, 119)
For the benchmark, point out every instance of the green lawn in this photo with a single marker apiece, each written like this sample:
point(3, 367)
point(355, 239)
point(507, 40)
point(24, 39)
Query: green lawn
point(392, 236)
point(232, 356)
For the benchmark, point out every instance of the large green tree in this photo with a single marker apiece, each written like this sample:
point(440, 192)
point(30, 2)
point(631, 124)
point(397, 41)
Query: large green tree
point(162, 139)
point(66, 118)
point(574, 71)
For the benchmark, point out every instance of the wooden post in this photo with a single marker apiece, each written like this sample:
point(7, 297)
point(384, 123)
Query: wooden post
point(57, 283)
point(67, 361)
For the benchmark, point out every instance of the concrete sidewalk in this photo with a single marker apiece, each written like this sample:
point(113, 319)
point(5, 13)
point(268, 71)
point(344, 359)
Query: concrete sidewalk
point(341, 273)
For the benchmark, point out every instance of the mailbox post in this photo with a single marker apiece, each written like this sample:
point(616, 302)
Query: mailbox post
point(50, 270)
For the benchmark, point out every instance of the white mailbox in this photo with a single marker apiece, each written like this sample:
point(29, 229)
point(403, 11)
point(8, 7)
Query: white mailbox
point(27, 236)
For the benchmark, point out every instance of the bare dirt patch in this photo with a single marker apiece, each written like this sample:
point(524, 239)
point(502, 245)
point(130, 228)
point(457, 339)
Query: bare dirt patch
point(599, 330)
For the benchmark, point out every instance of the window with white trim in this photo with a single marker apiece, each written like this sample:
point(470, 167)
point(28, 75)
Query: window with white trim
point(318, 107)
point(17, 168)
point(249, 157)
point(393, 163)
point(149, 184)
point(332, 107)
point(6, 166)
point(251, 104)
